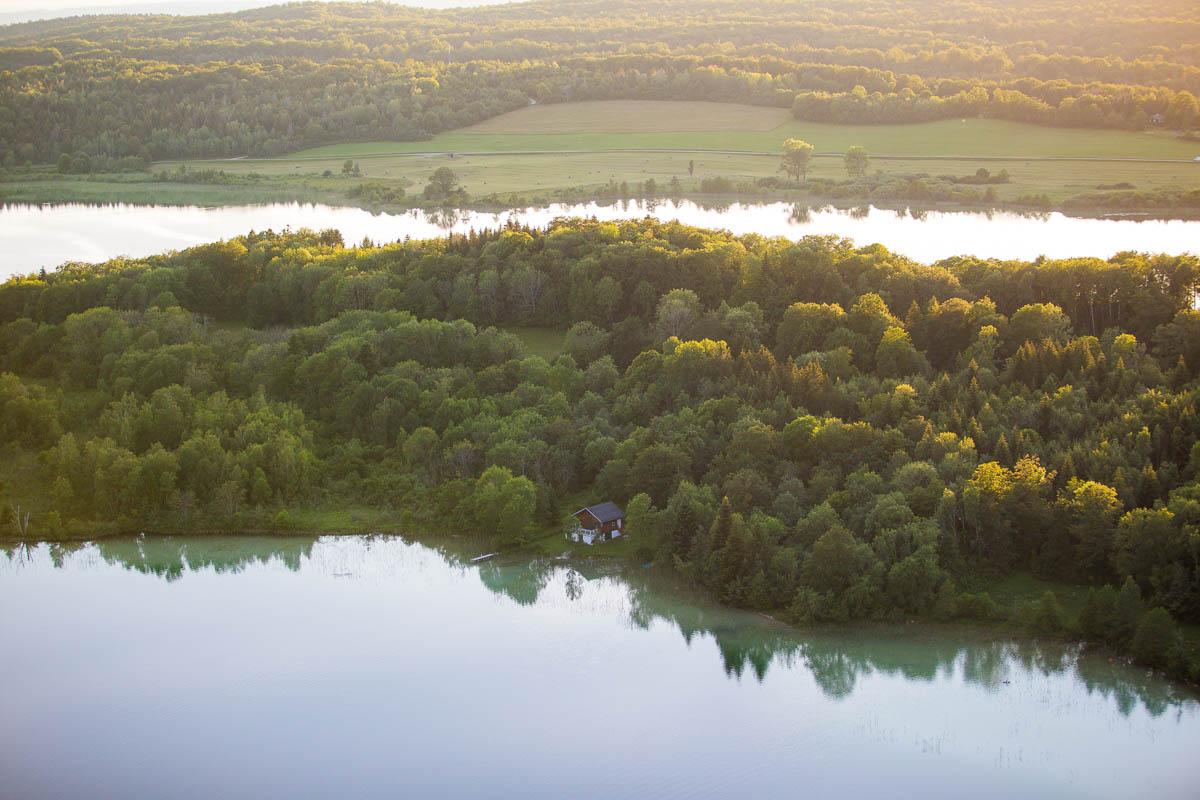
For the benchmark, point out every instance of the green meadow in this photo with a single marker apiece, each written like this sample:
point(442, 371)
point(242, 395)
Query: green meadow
point(545, 153)
point(693, 126)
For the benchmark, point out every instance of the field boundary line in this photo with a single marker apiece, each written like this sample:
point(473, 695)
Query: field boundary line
point(665, 150)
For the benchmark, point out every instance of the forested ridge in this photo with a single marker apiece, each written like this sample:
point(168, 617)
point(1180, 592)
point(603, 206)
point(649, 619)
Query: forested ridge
point(833, 432)
point(268, 81)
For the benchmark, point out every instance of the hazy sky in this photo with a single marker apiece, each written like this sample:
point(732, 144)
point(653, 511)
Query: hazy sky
point(25, 10)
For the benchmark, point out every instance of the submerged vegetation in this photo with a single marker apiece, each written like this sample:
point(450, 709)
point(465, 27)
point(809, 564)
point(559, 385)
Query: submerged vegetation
point(807, 428)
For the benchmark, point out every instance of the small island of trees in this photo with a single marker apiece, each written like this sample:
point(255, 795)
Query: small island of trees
point(808, 428)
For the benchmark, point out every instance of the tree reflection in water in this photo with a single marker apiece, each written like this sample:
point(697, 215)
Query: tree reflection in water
point(748, 644)
point(751, 645)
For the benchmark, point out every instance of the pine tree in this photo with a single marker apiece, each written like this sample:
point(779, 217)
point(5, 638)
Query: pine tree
point(758, 594)
point(1178, 377)
point(1150, 489)
point(732, 558)
point(1124, 490)
point(913, 318)
point(1156, 638)
point(684, 534)
point(722, 525)
point(1127, 611)
point(1049, 617)
point(1096, 617)
point(1003, 452)
point(1066, 469)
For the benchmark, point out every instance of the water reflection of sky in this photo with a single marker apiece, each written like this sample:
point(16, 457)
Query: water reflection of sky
point(34, 237)
point(371, 667)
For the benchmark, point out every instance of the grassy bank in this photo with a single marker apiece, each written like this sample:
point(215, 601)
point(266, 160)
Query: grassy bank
point(537, 180)
point(580, 151)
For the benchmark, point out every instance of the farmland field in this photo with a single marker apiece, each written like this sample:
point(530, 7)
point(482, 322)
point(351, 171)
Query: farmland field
point(539, 152)
point(621, 125)
point(503, 173)
point(624, 116)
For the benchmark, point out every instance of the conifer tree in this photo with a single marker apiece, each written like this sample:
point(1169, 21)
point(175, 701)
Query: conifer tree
point(1127, 611)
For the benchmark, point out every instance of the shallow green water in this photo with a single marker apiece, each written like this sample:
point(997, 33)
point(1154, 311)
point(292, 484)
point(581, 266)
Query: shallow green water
point(371, 667)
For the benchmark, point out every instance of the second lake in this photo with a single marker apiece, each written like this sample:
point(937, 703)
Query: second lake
point(34, 237)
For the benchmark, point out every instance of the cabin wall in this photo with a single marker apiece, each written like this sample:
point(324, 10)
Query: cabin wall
point(590, 523)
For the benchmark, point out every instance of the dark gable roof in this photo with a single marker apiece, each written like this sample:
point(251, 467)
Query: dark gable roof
point(605, 512)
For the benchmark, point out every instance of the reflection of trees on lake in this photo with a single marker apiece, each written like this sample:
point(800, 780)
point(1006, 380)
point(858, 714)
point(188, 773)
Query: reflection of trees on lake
point(445, 218)
point(986, 665)
point(748, 645)
point(169, 557)
point(521, 583)
point(20, 552)
point(837, 660)
point(1127, 687)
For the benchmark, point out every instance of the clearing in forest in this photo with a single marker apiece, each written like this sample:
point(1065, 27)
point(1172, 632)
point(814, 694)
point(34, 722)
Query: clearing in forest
point(629, 116)
point(605, 126)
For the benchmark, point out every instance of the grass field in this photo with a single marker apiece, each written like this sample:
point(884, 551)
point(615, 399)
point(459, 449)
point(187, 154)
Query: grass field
point(714, 126)
point(541, 151)
point(542, 174)
point(149, 192)
point(589, 144)
point(539, 341)
point(626, 116)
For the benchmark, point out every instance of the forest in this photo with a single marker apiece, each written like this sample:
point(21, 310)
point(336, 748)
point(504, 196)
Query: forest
point(808, 428)
point(274, 80)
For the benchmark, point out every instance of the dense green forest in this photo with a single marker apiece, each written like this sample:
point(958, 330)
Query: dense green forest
point(272, 80)
point(833, 432)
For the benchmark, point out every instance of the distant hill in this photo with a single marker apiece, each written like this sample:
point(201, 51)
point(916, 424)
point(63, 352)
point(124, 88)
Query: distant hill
point(30, 11)
point(274, 80)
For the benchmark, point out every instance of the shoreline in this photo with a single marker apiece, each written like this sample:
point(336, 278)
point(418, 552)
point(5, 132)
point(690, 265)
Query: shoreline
point(814, 202)
point(675, 583)
point(142, 189)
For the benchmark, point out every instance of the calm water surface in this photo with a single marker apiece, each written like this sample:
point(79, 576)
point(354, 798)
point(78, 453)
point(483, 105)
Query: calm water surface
point(371, 667)
point(34, 237)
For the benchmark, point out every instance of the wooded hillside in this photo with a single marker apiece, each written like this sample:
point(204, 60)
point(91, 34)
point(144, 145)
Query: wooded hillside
point(834, 432)
point(273, 80)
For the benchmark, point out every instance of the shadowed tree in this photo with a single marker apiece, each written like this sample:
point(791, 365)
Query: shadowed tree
point(678, 311)
point(857, 161)
point(443, 184)
point(797, 155)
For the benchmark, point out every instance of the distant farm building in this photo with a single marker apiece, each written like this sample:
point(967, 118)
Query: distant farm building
point(1158, 119)
point(600, 522)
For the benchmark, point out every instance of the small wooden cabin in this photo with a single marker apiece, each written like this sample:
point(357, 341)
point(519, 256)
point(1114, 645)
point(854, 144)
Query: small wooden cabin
point(602, 521)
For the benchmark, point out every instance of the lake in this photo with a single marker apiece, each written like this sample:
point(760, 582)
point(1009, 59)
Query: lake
point(250, 667)
point(34, 237)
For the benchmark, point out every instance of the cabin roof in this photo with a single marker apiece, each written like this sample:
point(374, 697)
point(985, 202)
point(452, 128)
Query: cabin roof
point(605, 512)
